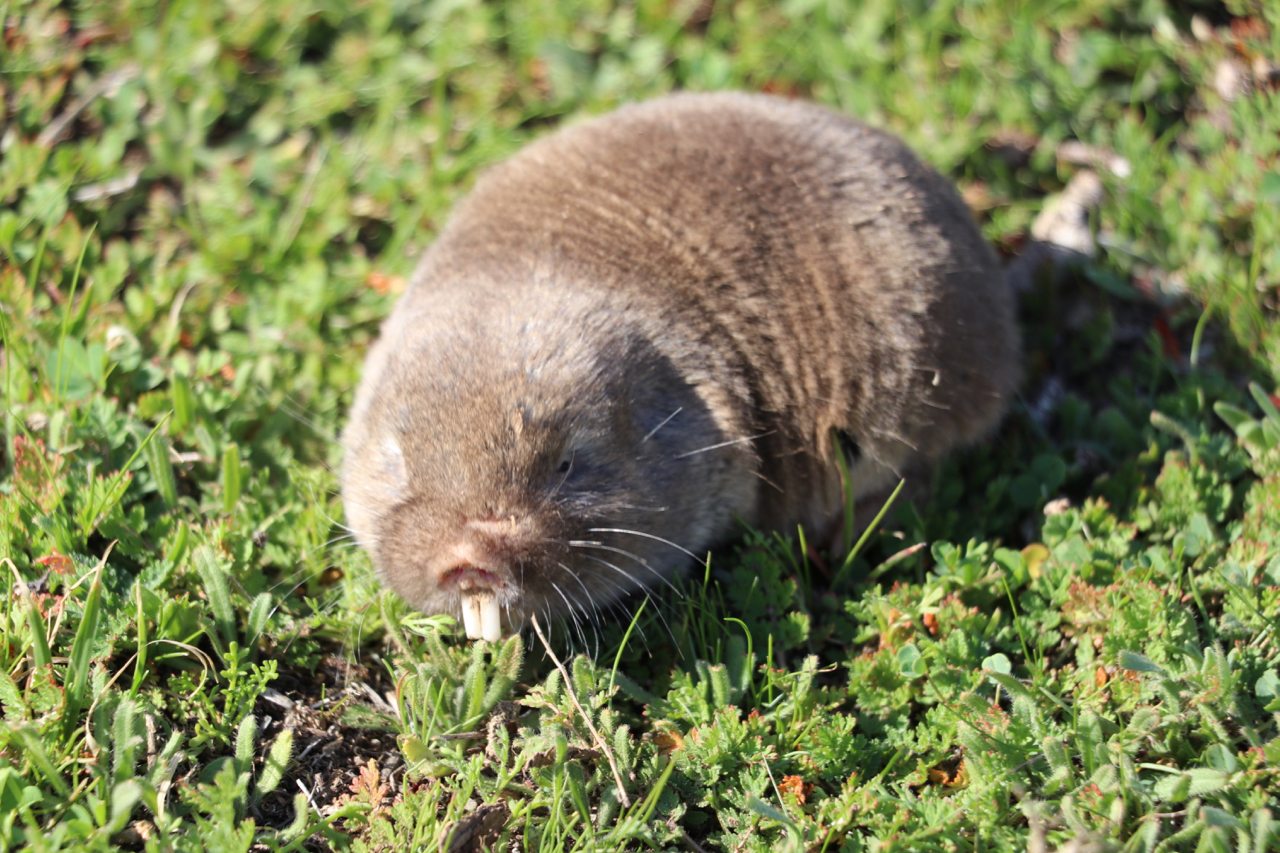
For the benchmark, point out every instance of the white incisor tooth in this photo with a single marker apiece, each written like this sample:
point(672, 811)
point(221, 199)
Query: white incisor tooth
point(471, 605)
point(481, 616)
point(490, 619)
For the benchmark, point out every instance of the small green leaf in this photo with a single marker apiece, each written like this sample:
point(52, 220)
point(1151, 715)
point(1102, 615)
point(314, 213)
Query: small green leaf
point(721, 689)
point(1145, 719)
point(218, 589)
point(1222, 758)
point(1173, 789)
point(125, 796)
point(998, 663)
point(1190, 783)
point(41, 656)
point(1264, 402)
point(34, 751)
point(167, 762)
point(256, 622)
point(1025, 491)
point(183, 403)
point(1263, 827)
point(125, 740)
point(156, 452)
point(1217, 817)
point(910, 663)
point(1008, 682)
point(1135, 662)
point(11, 698)
point(246, 738)
point(301, 817)
point(230, 478)
point(211, 770)
point(506, 669)
point(1168, 425)
point(1056, 754)
point(578, 790)
point(277, 761)
point(765, 810)
point(1206, 781)
point(1233, 416)
point(470, 699)
point(1050, 470)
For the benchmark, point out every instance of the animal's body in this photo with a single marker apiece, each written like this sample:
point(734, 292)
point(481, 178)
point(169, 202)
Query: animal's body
point(647, 328)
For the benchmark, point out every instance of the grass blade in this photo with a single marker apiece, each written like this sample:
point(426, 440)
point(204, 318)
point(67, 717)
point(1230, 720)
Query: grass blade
point(41, 656)
point(112, 495)
point(230, 478)
point(33, 749)
point(183, 404)
point(140, 659)
point(157, 454)
point(81, 660)
point(866, 534)
point(58, 389)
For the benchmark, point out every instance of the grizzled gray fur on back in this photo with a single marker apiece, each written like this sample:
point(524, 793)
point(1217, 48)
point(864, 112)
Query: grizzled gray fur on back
point(649, 325)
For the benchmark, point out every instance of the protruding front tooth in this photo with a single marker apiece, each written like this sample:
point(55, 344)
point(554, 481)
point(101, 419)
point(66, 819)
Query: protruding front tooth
point(481, 616)
point(490, 618)
point(471, 608)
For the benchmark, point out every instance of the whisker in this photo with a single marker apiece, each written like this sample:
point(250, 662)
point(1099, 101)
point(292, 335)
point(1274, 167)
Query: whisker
point(646, 536)
point(890, 434)
point(585, 544)
point(332, 544)
point(572, 614)
point(665, 421)
point(607, 507)
point(591, 599)
point(623, 572)
point(769, 482)
point(657, 608)
point(346, 540)
point(292, 580)
point(641, 588)
point(742, 440)
point(300, 414)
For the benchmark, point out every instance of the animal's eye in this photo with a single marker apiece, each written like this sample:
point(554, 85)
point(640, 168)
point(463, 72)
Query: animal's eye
point(564, 466)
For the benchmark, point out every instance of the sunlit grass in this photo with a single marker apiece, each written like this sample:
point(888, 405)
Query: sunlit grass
point(206, 209)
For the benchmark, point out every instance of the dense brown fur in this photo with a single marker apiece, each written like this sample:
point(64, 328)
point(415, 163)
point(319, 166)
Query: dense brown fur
point(653, 322)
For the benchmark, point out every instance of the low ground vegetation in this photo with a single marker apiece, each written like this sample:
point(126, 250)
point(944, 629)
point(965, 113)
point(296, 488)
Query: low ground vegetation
point(205, 208)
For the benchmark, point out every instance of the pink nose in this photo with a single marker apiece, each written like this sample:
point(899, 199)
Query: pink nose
point(479, 556)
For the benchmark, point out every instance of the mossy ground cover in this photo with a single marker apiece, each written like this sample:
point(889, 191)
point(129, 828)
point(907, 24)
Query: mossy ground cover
point(205, 208)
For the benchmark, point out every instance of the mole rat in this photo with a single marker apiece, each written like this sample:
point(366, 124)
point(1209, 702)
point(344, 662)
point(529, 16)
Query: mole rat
point(648, 328)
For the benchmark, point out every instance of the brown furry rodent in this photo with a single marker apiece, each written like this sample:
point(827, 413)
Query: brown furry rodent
point(650, 325)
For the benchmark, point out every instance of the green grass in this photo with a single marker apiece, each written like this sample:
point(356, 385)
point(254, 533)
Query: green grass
point(194, 258)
